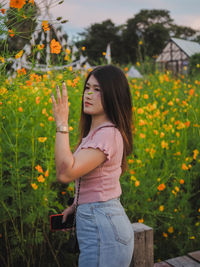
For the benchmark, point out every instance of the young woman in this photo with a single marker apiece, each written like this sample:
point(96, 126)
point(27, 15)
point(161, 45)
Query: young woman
point(104, 232)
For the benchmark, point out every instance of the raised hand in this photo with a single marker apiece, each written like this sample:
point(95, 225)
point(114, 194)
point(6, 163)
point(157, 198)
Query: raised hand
point(61, 108)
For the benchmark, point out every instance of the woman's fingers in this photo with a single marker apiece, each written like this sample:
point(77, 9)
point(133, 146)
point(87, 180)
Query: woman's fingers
point(53, 99)
point(64, 94)
point(58, 94)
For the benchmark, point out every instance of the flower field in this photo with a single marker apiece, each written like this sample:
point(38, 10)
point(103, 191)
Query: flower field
point(161, 188)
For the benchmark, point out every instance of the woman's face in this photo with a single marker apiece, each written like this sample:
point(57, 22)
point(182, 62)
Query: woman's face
point(92, 103)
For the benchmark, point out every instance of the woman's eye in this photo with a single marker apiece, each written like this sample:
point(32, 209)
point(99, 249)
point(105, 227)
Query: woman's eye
point(97, 89)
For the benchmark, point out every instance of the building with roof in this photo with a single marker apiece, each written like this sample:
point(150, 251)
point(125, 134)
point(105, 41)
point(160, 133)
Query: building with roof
point(176, 54)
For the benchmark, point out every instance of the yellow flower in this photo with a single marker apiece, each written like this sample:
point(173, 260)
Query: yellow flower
point(66, 57)
point(69, 83)
point(2, 59)
point(41, 179)
point(34, 186)
point(67, 50)
point(138, 63)
point(71, 128)
point(141, 220)
point(177, 189)
point(42, 139)
point(170, 229)
point(161, 208)
point(133, 178)
point(140, 42)
point(170, 103)
point(146, 96)
point(83, 48)
point(162, 135)
point(192, 237)
point(70, 68)
point(18, 55)
point(164, 144)
point(198, 65)
point(70, 189)
point(104, 53)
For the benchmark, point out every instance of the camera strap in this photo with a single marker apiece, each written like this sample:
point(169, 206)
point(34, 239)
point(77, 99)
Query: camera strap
point(76, 206)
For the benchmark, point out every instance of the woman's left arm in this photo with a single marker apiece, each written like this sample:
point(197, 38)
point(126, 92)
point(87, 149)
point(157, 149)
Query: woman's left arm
point(68, 166)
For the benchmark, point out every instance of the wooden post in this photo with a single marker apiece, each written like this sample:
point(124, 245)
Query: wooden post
point(143, 255)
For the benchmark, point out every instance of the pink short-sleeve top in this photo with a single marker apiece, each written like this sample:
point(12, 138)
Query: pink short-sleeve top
point(102, 183)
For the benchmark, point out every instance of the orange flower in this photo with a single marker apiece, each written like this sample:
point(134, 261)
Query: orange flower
point(165, 234)
point(142, 135)
point(40, 47)
point(141, 220)
point(17, 3)
point(20, 109)
point(31, 2)
point(171, 229)
point(55, 47)
point(46, 173)
point(184, 167)
point(29, 83)
point(181, 181)
point(3, 10)
point(39, 168)
point(161, 187)
point(45, 25)
point(191, 92)
point(187, 123)
point(196, 152)
point(11, 33)
point(41, 179)
point(137, 183)
point(37, 100)
point(50, 118)
point(21, 71)
point(34, 186)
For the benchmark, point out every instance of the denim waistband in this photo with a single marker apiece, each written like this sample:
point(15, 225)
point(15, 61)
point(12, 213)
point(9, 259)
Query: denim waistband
point(108, 203)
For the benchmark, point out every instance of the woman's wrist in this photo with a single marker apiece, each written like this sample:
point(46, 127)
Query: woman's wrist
point(62, 129)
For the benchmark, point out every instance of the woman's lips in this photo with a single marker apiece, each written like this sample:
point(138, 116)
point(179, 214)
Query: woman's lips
point(87, 104)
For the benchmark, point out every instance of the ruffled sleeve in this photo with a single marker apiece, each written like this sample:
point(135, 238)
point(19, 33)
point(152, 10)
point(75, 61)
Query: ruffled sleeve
point(102, 139)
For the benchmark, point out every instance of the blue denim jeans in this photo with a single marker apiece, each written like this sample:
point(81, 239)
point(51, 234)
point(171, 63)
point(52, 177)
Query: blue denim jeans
point(105, 235)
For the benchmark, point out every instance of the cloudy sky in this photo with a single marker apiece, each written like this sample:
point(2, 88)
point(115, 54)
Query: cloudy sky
point(82, 13)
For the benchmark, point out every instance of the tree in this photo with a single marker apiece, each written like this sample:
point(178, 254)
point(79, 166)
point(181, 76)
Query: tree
point(182, 31)
point(149, 26)
point(96, 39)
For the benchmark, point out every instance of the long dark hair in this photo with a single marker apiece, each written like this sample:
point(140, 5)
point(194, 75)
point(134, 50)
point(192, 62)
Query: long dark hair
point(117, 104)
